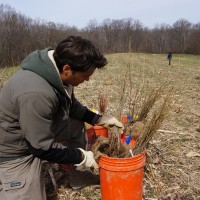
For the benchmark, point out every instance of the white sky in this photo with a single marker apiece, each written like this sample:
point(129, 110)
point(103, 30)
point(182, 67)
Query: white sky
point(79, 12)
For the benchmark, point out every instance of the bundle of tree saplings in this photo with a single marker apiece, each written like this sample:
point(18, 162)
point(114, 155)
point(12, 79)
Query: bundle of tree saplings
point(152, 113)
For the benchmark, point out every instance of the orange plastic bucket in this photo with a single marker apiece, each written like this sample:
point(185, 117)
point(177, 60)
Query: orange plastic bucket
point(132, 142)
point(91, 135)
point(124, 119)
point(100, 130)
point(122, 178)
point(67, 167)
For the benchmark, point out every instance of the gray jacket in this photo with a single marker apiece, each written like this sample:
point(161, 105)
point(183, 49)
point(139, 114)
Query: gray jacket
point(34, 108)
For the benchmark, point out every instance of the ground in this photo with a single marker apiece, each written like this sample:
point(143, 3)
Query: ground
point(173, 171)
point(173, 168)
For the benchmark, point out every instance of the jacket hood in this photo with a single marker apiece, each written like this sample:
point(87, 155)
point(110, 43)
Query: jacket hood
point(40, 63)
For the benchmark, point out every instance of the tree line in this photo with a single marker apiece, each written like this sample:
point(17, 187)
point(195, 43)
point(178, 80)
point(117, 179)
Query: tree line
point(20, 35)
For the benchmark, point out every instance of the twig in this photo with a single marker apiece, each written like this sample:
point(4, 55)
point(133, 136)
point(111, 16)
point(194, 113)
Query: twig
point(52, 179)
point(122, 95)
point(166, 131)
point(103, 103)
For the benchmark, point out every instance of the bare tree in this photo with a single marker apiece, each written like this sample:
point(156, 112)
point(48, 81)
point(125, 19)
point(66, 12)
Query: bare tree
point(19, 35)
point(182, 28)
point(193, 40)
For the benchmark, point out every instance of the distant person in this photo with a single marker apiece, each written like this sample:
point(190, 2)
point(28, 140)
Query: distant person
point(169, 57)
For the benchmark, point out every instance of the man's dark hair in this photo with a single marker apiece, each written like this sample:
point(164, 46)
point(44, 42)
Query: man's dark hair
point(80, 54)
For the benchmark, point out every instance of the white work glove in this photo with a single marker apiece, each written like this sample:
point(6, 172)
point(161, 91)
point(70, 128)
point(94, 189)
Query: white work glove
point(88, 161)
point(110, 121)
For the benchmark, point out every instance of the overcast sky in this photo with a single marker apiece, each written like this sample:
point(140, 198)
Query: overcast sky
point(79, 12)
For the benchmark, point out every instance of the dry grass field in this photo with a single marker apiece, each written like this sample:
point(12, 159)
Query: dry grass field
point(173, 165)
point(173, 169)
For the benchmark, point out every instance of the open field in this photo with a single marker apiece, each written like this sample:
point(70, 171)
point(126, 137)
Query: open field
point(173, 168)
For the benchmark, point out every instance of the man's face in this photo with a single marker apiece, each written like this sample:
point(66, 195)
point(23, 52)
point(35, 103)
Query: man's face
point(75, 78)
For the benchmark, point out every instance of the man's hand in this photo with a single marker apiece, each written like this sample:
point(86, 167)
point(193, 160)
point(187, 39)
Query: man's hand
point(88, 161)
point(110, 121)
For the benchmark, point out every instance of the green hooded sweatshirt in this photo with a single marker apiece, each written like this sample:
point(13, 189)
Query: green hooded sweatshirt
point(34, 109)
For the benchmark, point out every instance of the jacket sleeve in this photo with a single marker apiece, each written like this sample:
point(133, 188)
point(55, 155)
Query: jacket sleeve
point(35, 118)
point(82, 113)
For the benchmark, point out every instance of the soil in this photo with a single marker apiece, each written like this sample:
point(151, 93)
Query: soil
point(172, 170)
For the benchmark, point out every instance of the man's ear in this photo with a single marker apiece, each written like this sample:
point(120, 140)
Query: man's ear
point(66, 70)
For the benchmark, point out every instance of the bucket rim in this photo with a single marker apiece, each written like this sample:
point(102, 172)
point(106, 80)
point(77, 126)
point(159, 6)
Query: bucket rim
point(129, 158)
point(122, 164)
point(99, 127)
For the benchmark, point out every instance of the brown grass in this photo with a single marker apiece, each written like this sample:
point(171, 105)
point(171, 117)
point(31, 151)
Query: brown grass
point(159, 114)
point(171, 174)
point(149, 102)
